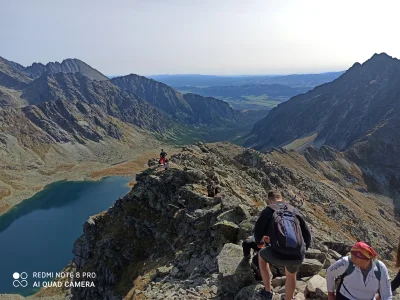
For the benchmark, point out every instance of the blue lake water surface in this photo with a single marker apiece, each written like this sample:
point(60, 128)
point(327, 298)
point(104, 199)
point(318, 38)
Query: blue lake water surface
point(38, 234)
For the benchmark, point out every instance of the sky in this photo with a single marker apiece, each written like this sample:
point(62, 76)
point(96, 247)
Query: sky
point(218, 37)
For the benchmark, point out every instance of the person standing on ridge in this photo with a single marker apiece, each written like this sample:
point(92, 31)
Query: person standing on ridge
point(361, 276)
point(162, 156)
point(283, 227)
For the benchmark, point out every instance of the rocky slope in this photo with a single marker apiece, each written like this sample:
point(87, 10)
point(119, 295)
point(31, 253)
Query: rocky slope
point(52, 123)
point(90, 96)
point(156, 93)
point(167, 239)
point(357, 113)
point(358, 103)
point(12, 75)
point(190, 108)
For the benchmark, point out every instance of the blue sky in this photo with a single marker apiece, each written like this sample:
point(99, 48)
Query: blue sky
point(222, 37)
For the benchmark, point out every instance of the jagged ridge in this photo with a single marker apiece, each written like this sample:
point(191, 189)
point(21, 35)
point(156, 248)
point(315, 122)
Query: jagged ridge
point(167, 220)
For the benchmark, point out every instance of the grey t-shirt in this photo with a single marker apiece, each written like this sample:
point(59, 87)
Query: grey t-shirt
point(365, 272)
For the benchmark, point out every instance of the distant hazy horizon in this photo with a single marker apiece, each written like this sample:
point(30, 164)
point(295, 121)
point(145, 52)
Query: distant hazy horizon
point(224, 37)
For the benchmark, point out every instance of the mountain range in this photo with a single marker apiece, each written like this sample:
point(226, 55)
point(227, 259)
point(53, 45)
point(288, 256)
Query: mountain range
point(69, 112)
point(248, 92)
point(332, 151)
point(294, 80)
point(358, 113)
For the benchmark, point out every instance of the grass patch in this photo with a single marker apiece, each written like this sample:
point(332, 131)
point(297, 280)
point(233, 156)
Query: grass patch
point(299, 143)
point(262, 100)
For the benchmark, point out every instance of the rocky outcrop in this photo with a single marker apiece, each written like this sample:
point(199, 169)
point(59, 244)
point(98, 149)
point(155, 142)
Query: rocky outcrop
point(167, 239)
point(66, 66)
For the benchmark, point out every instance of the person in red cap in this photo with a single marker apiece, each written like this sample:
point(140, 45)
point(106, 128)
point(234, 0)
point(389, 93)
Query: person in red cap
point(362, 276)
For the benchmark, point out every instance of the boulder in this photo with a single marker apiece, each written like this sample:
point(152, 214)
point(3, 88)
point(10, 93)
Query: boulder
point(278, 281)
point(229, 202)
point(334, 254)
point(249, 292)
point(299, 296)
point(193, 200)
point(339, 247)
point(206, 217)
point(234, 271)
point(164, 271)
point(235, 215)
point(226, 231)
point(245, 229)
point(309, 267)
point(301, 286)
point(152, 162)
point(279, 290)
point(195, 175)
point(316, 254)
point(316, 288)
point(328, 262)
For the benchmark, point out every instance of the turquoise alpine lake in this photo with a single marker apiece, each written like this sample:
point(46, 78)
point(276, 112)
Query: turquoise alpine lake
point(37, 235)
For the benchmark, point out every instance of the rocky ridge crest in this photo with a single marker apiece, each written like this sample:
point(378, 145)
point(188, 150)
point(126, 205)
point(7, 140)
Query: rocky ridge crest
point(167, 239)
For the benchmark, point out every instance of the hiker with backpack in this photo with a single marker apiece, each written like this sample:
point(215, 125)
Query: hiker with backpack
point(162, 157)
point(361, 276)
point(396, 281)
point(283, 237)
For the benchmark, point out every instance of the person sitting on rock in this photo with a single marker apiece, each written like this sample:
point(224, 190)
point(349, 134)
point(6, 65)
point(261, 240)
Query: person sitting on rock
point(396, 281)
point(286, 237)
point(212, 189)
point(361, 276)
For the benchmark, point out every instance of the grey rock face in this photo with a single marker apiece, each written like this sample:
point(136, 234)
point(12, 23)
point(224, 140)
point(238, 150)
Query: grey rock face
point(233, 269)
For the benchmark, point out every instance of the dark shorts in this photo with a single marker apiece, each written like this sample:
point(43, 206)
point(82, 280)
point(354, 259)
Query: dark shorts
point(268, 256)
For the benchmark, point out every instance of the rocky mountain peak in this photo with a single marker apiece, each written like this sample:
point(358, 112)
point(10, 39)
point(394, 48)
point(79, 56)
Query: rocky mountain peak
point(381, 57)
point(167, 237)
point(70, 65)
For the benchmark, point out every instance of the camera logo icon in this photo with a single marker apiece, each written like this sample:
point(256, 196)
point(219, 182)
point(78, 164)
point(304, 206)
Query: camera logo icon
point(20, 279)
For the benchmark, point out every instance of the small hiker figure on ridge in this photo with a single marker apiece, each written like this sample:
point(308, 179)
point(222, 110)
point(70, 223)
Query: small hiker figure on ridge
point(212, 189)
point(162, 157)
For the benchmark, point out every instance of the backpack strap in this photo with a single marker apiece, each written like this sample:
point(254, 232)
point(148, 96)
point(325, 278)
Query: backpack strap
point(349, 270)
point(378, 273)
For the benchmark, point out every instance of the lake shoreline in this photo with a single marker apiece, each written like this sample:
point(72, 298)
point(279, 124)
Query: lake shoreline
point(54, 218)
point(81, 172)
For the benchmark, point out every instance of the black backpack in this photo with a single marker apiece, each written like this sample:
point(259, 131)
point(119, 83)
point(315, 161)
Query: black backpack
point(285, 231)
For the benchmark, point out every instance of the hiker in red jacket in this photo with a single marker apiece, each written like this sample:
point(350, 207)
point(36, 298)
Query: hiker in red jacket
point(162, 156)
